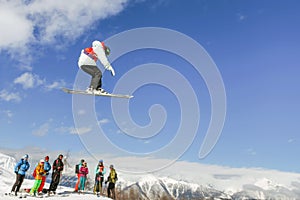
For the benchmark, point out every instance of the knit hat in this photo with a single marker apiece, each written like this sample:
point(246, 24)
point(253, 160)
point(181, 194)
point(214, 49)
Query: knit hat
point(42, 161)
point(25, 156)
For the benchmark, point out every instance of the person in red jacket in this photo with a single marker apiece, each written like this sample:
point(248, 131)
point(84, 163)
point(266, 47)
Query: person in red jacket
point(83, 175)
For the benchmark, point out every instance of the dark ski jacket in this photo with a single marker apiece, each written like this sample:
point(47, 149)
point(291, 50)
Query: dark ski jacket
point(58, 166)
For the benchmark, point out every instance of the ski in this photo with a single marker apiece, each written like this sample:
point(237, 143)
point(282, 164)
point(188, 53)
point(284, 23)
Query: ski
point(20, 196)
point(106, 94)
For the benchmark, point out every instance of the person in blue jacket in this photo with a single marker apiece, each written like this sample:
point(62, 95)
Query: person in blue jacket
point(20, 170)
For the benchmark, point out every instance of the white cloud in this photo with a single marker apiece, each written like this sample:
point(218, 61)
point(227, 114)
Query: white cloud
point(81, 112)
point(65, 129)
point(55, 85)
point(43, 129)
point(72, 130)
point(251, 152)
point(25, 67)
point(18, 29)
point(8, 113)
point(29, 80)
point(103, 121)
point(6, 96)
point(41, 22)
point(291, 140)
point(241, 17)
point(81, 130)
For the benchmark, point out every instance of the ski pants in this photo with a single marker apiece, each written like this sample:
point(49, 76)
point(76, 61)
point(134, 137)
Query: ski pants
point(96, 74)
point(36, 186)
point(77, 183)
point(98, 184)
point(82, 183)
point(18, 183)
point(42, 183)
point(111, 190)
point(54, 182)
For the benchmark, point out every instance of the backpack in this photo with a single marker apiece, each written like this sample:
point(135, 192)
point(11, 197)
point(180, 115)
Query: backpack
point(116, 177)
point(77, 169)
point(34, 172)
point(90, 52)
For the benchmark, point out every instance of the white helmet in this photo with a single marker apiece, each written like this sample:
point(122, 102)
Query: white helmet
point(96, 43)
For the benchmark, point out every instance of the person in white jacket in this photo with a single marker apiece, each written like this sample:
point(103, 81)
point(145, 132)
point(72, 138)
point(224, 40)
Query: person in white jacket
point(88, 63)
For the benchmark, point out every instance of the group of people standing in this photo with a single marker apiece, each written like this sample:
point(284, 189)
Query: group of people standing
point(40, 174)
point(88, 63)
point(82, 170)
point(43, 168)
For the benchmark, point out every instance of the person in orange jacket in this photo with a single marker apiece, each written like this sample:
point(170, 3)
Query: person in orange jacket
point(47, 168)
point(39, 173)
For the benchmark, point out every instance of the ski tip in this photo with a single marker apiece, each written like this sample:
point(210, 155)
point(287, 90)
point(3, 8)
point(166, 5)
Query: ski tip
point(65, 89)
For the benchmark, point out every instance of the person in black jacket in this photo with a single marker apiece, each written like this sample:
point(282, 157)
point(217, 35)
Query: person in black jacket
point(57, 168)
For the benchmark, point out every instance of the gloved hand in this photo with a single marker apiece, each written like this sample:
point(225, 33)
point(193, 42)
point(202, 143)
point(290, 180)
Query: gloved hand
point(111, 69)
point(16, 172)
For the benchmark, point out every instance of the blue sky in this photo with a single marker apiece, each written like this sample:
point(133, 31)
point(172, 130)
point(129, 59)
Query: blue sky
point(254, 44)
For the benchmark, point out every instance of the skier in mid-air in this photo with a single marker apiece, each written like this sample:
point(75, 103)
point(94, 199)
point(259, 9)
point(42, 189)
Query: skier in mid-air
point(88, 63)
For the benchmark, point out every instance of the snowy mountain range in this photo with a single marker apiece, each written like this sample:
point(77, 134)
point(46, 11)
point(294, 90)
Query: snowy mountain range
point(196, 181)
point(151, 187)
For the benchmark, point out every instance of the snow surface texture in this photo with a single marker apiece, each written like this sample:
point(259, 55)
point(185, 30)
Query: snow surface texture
point(182, 180)
point(7, 179)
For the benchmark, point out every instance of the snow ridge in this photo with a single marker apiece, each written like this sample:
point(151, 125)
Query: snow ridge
point(227, 183)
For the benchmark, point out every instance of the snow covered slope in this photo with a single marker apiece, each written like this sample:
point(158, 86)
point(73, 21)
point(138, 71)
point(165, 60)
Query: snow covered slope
point(7, 179)
point(182, 180)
